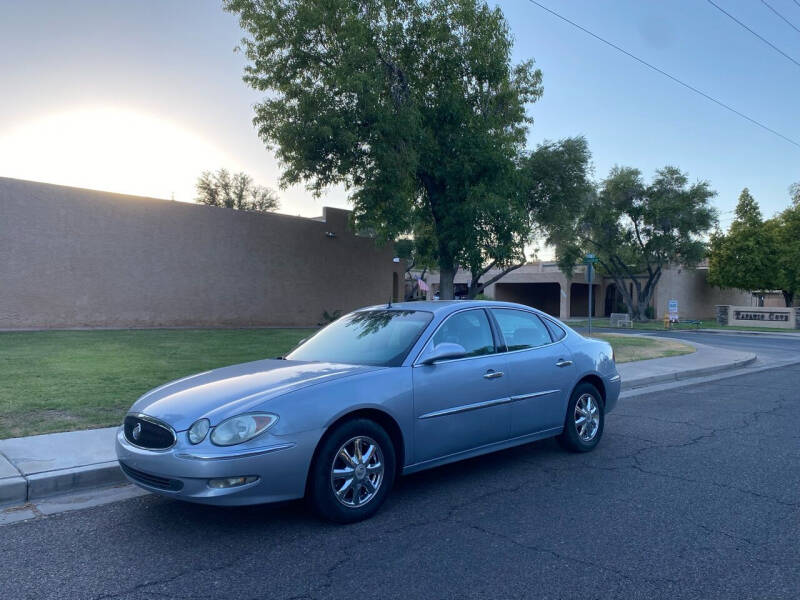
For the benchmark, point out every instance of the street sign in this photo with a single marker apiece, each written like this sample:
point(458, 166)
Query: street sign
point(672, 309)
point(590, 259)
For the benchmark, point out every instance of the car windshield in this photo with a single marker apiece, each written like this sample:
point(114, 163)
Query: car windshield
point(372, 337)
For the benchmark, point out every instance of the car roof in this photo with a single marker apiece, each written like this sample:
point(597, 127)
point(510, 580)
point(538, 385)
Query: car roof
point(446, 306)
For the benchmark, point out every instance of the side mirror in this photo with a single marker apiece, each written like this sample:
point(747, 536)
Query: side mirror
point(444, 351)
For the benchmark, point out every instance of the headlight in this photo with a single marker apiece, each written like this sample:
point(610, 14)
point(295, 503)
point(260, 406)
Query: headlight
point(197, 432)
point(242, 428)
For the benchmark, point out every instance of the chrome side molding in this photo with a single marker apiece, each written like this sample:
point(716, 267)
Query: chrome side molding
point(464, 408)
point(533, 395)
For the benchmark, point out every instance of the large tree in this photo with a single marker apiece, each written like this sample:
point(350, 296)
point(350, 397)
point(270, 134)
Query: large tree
point(237, 191)
point(413, 105)
point(744, 257)
point(418, 253)
point(637, 229)
point(784, 230)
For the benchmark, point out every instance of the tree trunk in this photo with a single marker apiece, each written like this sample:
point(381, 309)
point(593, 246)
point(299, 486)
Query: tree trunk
point(447, 274)
point(646, 295)
point(788, 297)
point(626, 297)
point(641, 309)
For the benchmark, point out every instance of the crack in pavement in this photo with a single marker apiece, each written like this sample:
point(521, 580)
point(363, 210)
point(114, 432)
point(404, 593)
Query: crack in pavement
point(569, 558)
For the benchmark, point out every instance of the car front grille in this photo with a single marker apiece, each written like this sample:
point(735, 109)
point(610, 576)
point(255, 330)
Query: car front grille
point(149, 433)
point(162, 483)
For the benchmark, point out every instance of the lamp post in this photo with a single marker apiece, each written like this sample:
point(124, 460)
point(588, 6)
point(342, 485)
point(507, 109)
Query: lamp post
point(589, 261)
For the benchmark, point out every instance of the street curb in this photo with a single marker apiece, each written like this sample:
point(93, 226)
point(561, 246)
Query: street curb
point(51, 483)
point(21, 483)
point(787, 334)
point(688, 374)
point(19, 490)
point(669, 385)
point(13, 490)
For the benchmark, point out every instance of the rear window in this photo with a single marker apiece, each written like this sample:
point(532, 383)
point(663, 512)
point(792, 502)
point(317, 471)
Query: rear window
point(556, 331)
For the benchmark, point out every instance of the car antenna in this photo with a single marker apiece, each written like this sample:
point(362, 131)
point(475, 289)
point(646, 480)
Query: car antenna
point(390, 303)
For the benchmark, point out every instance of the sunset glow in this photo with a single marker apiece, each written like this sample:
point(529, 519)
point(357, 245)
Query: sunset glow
point(109, 148)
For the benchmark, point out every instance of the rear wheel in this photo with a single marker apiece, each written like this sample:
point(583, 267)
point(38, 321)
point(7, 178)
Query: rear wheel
point(583, 425)
point(353, 472)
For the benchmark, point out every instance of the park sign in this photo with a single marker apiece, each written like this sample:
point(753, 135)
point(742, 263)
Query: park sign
point(672, 309)
point(759, 316)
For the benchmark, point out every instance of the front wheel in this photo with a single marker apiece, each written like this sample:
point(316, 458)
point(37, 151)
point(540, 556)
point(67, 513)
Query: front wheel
point(352, 472)
point(583, 425)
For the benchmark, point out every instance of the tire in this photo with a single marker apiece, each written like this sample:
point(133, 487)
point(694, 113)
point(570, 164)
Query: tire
point(335, 496)
point(577, 438)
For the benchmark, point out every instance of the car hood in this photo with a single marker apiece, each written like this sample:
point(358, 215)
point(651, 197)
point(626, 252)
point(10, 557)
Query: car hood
point(228, 391)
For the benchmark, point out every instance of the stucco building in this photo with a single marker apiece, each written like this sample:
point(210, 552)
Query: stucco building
point(543, 286)
point(73, 257)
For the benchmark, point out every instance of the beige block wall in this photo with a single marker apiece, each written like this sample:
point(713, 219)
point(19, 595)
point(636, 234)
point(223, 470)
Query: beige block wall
point(696, 298)
point(71, 257)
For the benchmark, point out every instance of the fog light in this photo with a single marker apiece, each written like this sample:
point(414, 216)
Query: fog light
point(230, 482)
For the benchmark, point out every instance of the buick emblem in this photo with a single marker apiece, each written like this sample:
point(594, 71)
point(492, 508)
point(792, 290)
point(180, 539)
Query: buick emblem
point(137, 431)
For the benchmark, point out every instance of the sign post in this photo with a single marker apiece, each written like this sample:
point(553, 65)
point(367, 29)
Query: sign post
point(589, 260)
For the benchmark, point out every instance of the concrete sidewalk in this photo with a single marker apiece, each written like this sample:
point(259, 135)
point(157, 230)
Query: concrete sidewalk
point(45, 465)
point(706, 360)
point(40, 466)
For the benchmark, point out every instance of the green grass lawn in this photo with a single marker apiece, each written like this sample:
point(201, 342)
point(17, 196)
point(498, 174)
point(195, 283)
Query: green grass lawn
point(66, 380)
point(659, 326)
point(628, 348)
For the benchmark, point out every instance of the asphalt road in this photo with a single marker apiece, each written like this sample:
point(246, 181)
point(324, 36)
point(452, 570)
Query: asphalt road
point(693, 493)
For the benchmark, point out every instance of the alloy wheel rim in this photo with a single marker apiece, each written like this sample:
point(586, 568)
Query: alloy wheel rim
point(587, 417)
point(357, 471)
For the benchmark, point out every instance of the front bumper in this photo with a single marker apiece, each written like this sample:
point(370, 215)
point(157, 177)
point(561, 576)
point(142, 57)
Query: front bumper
point(183, 472)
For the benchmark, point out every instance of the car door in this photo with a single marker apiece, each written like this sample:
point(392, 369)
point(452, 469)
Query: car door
point(539, 370)
point(462, 403)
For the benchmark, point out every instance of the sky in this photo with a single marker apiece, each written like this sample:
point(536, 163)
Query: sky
point(140, 97)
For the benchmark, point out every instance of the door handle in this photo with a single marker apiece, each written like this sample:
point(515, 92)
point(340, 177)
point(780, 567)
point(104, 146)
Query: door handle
point(492, 374)
point(563, 363)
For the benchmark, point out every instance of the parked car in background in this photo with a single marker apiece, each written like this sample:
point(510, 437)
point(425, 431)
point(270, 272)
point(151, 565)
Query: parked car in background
point(382, 391)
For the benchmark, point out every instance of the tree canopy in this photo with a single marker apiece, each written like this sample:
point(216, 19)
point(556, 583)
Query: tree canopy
point(237, 191)
point(637, 229)
point(413, 105)
point(759, 255)
point(744, 258)
point(785, 229)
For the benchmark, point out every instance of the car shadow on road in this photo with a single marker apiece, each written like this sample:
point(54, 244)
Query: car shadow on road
point(438, 486)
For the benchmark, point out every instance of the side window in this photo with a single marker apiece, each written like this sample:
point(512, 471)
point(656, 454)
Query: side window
point(556, 332)
point(521, 329)
point(469, 329)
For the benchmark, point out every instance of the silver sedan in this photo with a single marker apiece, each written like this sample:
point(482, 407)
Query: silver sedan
point(382, 391)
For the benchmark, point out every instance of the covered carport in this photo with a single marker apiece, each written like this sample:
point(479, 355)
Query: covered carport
point(579, 299)
point(545, 296)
